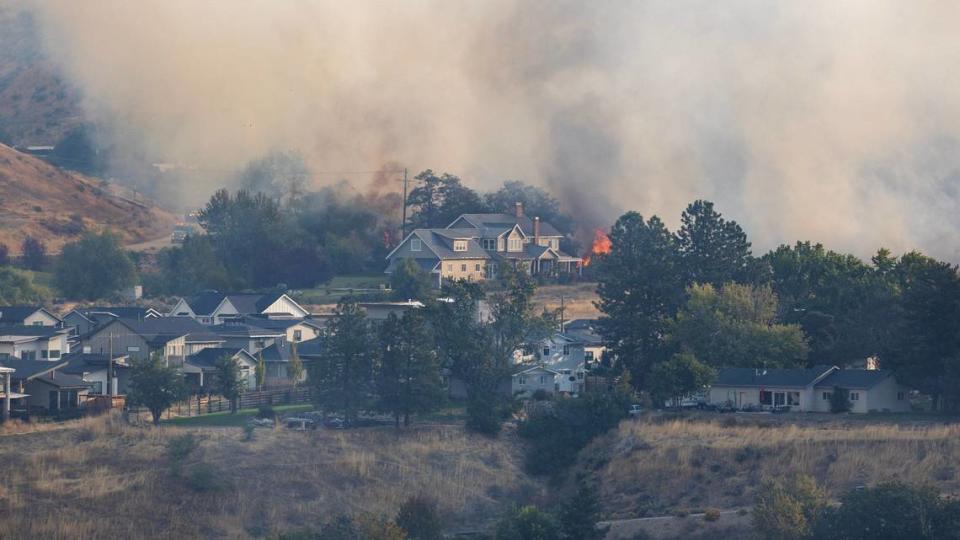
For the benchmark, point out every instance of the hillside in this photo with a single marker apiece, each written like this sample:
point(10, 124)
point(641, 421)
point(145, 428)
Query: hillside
point(56, 206)
point(36, 106)
point(102, 479)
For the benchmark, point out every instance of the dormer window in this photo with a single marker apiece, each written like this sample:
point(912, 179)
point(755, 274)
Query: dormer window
point(490, 244)
point(515, 244)
point(459, 245)
point(416, 244)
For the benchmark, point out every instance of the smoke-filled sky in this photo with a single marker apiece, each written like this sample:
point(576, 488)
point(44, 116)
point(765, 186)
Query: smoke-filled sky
point(833, 121)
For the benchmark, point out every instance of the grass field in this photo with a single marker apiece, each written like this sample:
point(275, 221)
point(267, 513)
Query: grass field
point(225, 419)
point(578, 299)
point(340, 287)
point(99, 478)
point(657, 466)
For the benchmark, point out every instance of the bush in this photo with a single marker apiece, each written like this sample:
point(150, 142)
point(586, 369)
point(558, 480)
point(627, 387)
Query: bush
point(527, 523)
point(788, 512)
point(266, 411)
point(556, 437)
point(839, 400)
point(540, 395)
point(711, 514)
point(483, 415)
point(205, 478)
point(248, 432)
point(179, 449)
point(420, 519)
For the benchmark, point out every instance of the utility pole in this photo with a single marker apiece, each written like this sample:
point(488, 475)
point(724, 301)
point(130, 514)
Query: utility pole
point(403, 222)
point(562, 311)
point(110, 371)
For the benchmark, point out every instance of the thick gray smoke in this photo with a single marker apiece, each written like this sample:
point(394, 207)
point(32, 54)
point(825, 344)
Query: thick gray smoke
point(833, 121)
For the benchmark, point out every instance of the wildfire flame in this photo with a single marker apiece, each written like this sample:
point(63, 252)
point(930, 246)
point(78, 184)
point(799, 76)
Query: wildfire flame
point(601, 246)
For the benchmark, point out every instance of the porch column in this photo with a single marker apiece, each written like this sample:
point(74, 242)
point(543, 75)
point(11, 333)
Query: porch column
point(6, 396)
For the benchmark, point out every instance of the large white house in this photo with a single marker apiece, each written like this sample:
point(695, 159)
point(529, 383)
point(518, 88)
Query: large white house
point(214, 307)
point(809, 389)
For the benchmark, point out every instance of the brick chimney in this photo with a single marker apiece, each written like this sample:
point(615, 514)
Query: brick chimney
point(519, 209)
point(536, 231)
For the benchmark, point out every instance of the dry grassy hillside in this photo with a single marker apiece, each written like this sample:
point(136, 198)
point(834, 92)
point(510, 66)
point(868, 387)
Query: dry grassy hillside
point(650, 468)
point(56, 206)
point(105, 479)
point(578, 299)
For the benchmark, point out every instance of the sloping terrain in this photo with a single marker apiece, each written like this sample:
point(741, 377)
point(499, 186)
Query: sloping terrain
point(36, 106)
point(56, 206)
point(104, 479)
point(664, 466)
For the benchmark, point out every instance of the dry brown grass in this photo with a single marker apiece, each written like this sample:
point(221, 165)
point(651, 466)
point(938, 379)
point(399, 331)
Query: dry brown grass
point(578, 299)
point(102, 478)
point(652, 468)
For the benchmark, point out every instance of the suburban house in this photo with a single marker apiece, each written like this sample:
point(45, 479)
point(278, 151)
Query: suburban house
point(6, 391)
point(524, 383)
point(173, 337)
point(563, 355)
point(44, 389)
point(34, 342)
point(85, 320)
point(277, 359)
point(200, 368)
point(808, 389)
point(27, 316)
point(94, 370)
point(585, 332)
point(238, 335)
point(214, 307)
point(473, 245)
point(292, 329)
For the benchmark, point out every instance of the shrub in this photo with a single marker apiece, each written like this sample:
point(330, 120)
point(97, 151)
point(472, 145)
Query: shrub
point(420, 519)
point(527, 523)
point(179, 449)
point(540, 395)
point(788, 512)
point(86, 435)
point(204, 478)
point(248, 432)
point(711, 514)
point(839, 400)
point(266, 411)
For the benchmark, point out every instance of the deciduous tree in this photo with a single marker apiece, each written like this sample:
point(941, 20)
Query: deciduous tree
point(96, 266)
point(155, 385)
point(228, 381)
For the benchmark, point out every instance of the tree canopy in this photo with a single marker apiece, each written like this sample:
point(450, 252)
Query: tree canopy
point(96, 266)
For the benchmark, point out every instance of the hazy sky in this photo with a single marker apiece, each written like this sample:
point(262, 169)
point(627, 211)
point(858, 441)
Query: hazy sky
point(823, 120)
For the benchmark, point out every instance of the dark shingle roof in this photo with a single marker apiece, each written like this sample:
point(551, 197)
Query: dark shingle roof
point(17, 314)
point(246, 303)
point(116, 312)
point(749, 377)
point(63, 380)
point(163, 329)
point(30, 330)
point(855, 378)
point(233, 329)
point(80, 363)
point(207, 358)
point(439, 241)
point(281, 350)
point(278, 324)
point(30, 369)
point(205, 303)
point(500, 221)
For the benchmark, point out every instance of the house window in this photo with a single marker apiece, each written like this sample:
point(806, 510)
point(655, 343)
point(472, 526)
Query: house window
point(490, 244)
point(546, 351)
point(54, 353)
point(459, 245)
point(96, 387)
point(449, 268)
point(463, 268)
point(793, 398)
point(87, 349)
point(522, 380)
point(416, 244)
point(297, 335)
point(543, 379)
point(854, 396)
point(133, 348)
point(766, 397)
point(566, 350)
point(588, 356)
point(43, 354)
point(827, 396)
point(477, 268)
point(554, 243)
point(38, 323)
point(516, 244)
point(901, 396)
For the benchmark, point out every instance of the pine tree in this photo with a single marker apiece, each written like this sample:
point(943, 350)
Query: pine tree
point(344, 371)
point(580, 514)
point(408, 381)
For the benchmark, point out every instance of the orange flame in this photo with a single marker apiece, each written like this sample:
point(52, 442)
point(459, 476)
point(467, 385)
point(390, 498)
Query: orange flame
point(601, 246)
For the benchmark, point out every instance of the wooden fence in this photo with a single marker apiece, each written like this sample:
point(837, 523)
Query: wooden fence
point(200, 404)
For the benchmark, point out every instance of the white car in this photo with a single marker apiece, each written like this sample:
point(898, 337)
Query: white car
point(635, 410)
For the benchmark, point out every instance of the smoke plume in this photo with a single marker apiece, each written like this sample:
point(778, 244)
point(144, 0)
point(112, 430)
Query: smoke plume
point(832, 121)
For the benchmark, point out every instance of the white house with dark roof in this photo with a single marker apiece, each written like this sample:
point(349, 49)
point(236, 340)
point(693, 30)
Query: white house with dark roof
point(473, 245)
point(27, 316)
point(214, 307)
point(808, 389)
point(35, 342)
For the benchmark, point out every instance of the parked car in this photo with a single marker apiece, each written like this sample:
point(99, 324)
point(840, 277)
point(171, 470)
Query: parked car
point(635, 410)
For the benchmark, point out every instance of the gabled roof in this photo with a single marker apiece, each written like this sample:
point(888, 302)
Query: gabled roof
point(499, 221)
point(207, 302)
point(116, 312)
point(862, 379)
point(760, 377)
point(281, 351)
point(17, 314)
point(436, 241)
point(30, 369)
point(279, 324)
point(207, 358)
point(80, 363)
point(537, 367)
point(243, 330)
point(62, 380)
point(158, 331)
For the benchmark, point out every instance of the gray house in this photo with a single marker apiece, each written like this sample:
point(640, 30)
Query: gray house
point(27, 316)
point(200, 368)
point(214, 307)
point(44, 389)
point(85, 320)
point(173, 337)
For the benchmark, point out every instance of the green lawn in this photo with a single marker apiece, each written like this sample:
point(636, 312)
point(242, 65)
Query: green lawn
point(225, 419)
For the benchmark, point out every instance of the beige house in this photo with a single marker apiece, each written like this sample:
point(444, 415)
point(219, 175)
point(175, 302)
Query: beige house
point(473, 245)
point(808, 389)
